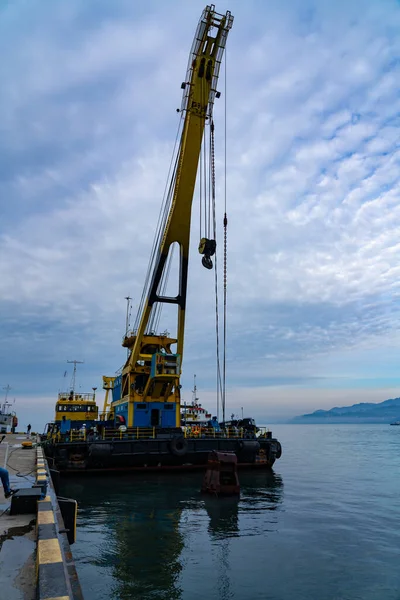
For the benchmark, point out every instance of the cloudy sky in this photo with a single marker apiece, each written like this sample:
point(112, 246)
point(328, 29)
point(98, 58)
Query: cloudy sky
point(89, 92)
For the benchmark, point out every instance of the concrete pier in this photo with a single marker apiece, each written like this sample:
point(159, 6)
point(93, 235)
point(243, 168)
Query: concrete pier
point(35, 557)
point(17, 532)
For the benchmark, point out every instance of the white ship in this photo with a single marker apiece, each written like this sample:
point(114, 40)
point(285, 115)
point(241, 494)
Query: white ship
point(7, 417)
point(194, 413)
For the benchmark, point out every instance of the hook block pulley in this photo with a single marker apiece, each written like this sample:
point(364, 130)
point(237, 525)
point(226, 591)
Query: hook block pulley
point(207, 248)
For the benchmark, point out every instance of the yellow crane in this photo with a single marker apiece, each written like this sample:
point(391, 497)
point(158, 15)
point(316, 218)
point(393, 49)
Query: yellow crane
point(146, 393)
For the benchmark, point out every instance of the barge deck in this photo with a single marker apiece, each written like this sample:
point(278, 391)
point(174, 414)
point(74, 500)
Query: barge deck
point(118, 451)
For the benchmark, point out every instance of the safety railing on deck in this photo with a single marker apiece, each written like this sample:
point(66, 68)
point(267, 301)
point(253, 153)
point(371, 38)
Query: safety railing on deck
point(137, 433)
point(228, 432)
point(66, 397)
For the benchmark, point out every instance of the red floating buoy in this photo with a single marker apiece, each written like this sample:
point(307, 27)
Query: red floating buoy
point(221, 477)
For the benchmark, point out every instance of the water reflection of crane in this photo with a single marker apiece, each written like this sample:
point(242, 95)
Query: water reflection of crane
point(149, 545)
point(143, 531)
point(130, 528)
point(261, 491)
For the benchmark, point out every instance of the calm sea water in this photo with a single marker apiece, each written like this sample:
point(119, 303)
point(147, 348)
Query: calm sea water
point(325, 525)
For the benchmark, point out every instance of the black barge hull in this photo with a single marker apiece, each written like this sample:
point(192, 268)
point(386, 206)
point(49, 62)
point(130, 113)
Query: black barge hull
point(157, 454)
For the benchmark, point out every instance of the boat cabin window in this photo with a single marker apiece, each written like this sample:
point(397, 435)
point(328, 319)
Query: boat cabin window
point(168, 406)
point(141, 406)
point(75, 408)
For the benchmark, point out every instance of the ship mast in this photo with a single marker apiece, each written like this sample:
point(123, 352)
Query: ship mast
point(194, 397)
point(6, 404)
point(128, 306)
point(74, 362)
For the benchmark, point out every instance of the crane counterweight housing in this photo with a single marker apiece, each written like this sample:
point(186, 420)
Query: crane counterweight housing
point(146, 393)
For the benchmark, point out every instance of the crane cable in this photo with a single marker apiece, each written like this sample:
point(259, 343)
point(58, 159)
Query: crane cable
point(221, 380)
point(224, 319)
point(212, 172)
point(225, 254)
point(162, 219)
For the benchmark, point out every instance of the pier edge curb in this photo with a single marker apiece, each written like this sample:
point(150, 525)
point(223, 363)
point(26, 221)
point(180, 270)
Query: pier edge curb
point(57, 578)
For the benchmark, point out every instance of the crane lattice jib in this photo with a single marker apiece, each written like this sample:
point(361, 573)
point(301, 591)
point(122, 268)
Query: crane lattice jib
point(197, 104)
point(204, 45)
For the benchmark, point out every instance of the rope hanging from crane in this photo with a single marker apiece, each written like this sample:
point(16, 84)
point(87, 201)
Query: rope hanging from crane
point(162, 220)
point(212, 171)
point(208, 244)
point(225, 247)
point(207, 248)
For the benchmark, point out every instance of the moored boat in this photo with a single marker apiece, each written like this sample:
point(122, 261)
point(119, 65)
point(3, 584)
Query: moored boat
point(193, 414)
point(8, 417)
point(141, 423)
point(74, 411)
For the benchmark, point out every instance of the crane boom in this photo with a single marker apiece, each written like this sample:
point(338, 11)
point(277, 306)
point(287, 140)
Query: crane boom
point(151, 372)
point(199, 94)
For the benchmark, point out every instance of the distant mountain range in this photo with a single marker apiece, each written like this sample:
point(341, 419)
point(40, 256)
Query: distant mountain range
point(364, 412)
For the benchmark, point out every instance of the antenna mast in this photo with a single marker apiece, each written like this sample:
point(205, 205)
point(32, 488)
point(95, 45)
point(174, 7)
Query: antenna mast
point(128, 306)
point(6, 404)
point(195, 398)
point(74, 362)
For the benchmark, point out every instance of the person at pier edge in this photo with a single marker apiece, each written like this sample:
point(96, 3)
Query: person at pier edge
point(28, 429)
point(14, 423)
point(5, 480)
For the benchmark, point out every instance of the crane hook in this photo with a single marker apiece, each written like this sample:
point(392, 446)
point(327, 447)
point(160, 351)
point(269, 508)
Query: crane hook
point(207, 248)
point(207, 262)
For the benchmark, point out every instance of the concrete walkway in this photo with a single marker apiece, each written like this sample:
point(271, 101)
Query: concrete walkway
point(17, 533)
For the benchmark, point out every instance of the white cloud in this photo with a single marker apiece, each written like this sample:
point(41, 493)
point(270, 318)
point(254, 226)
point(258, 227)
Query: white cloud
point(313, 185)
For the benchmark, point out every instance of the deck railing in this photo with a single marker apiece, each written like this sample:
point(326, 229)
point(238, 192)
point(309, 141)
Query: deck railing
point(143, 433)
point(66, 397)
point(228, 432)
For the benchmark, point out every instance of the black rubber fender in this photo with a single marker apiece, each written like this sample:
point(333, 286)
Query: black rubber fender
point(101, 450)
point(248, 445)
point(178, 446)
point(279, 450)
